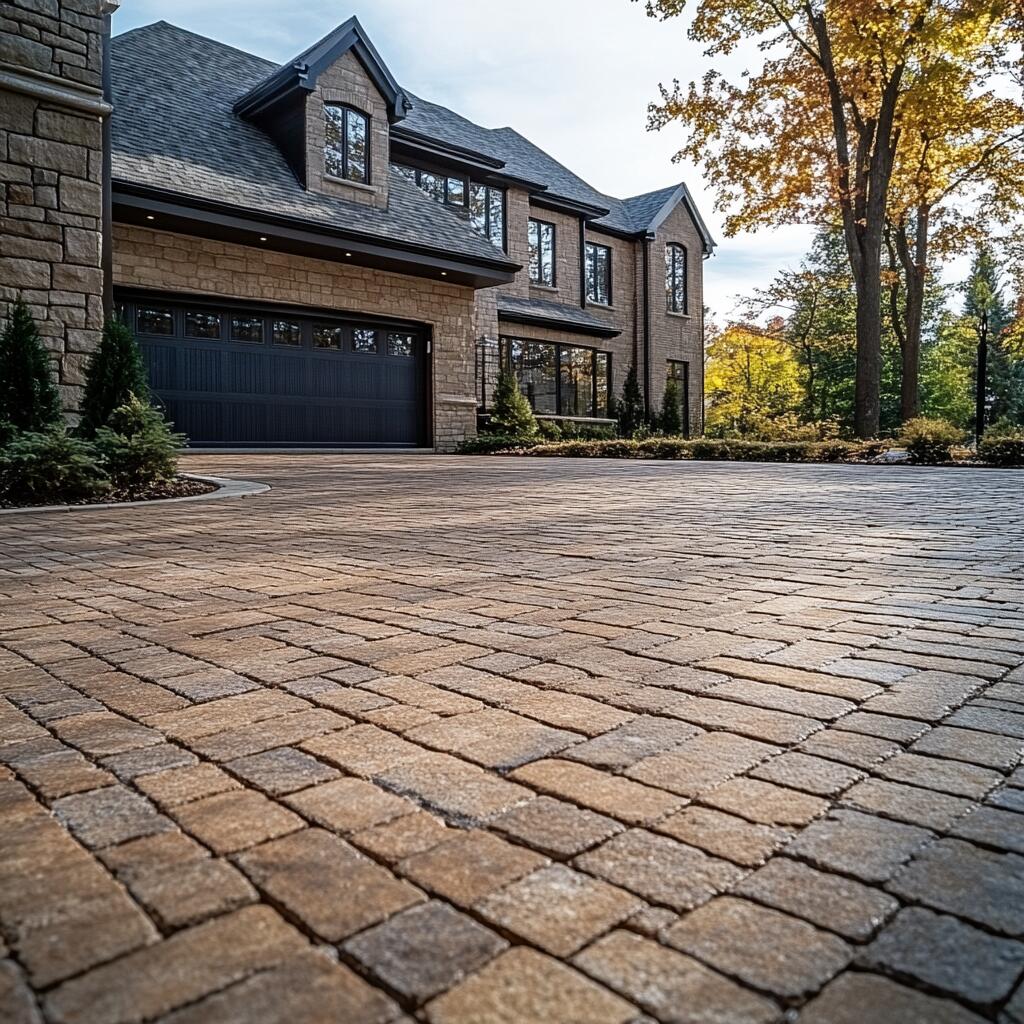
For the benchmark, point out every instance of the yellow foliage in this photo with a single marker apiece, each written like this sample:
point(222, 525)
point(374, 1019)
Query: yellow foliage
point(750, 379)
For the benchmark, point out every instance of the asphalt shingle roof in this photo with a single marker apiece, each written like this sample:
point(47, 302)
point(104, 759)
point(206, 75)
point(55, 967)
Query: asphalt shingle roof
point(556, 312)
point(173, 128)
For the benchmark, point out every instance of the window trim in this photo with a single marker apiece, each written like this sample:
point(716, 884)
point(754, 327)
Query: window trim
point(346, 109)
point(587, 245)
point(536, 282)
point(505, 342)
point(672, 252)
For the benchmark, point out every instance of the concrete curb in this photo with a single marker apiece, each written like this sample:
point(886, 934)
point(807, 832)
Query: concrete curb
point(225, 489)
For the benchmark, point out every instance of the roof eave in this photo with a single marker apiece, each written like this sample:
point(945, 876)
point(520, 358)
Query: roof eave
point(161, 209)
point(570, 326)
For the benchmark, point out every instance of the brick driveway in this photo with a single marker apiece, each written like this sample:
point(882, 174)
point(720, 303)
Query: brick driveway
point(520, 741)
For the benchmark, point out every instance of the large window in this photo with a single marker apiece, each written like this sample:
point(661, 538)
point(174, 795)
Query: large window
point(484, 204)
point(679, 371)
point(599, 273)
point(676, 297)
point(541, 237)
point(559, 380)
point(487, 212)
point(347, 150)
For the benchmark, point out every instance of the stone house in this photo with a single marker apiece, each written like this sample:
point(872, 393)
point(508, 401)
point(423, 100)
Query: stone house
point(311, 255)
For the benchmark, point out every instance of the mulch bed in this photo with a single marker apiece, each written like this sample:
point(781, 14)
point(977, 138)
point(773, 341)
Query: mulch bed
point(179, 487)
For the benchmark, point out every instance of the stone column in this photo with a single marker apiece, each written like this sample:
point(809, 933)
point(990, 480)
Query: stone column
point(51, 174)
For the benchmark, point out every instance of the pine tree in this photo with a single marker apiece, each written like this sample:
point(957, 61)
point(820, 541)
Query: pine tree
point(631, 406)
point(114, 375)
point(29, 400)
point(511, 415)
point(988, 314)
point(670, 421)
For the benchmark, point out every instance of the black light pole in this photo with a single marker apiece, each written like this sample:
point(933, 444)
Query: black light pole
point(979, 400)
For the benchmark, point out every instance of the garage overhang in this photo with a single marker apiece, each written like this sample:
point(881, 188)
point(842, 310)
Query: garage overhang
point(167, 211)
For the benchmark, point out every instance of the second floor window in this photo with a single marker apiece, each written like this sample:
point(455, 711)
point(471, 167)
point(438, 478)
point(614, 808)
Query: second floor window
point(599, 273)
point(676, 298)
point(347, 147)
point(541, 236)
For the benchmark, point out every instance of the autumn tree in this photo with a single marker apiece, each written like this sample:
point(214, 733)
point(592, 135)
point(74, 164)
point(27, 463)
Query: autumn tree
point(959, 176)
point(814, 133)
point(751, 379)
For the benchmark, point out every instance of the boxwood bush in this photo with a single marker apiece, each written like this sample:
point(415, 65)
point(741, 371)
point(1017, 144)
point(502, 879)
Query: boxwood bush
point(1005, 450)
point(929, 441)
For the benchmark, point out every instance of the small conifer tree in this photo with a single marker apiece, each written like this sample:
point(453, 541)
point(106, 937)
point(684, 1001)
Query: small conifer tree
point(511, 415)
point(115, 374)
point(631, 405)
point(670, 421)
point(29, 400)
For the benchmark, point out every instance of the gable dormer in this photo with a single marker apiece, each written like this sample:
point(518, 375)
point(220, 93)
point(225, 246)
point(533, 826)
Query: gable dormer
point(330, 111)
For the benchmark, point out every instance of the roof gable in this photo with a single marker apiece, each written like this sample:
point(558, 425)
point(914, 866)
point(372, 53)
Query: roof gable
point(650, 210)
point(299, 76)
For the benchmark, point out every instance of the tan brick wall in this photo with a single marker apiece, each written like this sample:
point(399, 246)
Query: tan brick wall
point(50, 176)
point(144, 258)
point(674, 336)
point(347, 82)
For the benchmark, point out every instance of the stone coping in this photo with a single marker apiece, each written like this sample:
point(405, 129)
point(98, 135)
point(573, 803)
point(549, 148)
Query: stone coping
point(225, 489)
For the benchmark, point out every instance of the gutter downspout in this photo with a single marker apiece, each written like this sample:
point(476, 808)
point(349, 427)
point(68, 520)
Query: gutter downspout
point(703, 349)
point(107, 215)
point(646, 252)
point(583, 263)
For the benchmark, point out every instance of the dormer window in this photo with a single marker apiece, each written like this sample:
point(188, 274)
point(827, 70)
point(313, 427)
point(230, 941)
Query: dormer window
point(347, 150)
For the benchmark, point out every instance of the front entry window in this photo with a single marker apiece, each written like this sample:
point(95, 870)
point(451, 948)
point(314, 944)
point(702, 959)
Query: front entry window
point(559, 380)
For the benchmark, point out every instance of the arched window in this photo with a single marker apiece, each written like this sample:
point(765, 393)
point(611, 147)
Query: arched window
point(347, 146)
point(676, 297)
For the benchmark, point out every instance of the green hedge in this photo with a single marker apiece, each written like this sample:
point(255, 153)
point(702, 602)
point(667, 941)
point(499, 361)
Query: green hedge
point(1002, 451)
point(678, 448)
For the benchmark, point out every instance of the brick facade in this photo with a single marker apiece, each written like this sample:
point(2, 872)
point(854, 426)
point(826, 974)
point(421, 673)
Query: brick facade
point(51, 161)
point(144, 258)
point(674, 337)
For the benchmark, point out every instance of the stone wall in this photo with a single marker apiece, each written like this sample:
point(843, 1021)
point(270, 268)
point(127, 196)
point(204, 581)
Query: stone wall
point(160, 260)
point(347, 82)
point(51, 205)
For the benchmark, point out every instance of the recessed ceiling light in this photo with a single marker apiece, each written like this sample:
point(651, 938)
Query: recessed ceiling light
point(348, 254)
point(263, 238)
point(150, 216)
point(444, 273)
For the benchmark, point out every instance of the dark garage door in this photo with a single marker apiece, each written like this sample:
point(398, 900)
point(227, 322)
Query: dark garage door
point(251, 376)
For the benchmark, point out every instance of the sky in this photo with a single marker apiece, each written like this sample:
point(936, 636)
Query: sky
point(573, 76)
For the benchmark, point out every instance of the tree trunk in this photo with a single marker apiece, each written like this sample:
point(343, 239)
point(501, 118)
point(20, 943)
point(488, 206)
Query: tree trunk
point(867, 407)
point(915, 268)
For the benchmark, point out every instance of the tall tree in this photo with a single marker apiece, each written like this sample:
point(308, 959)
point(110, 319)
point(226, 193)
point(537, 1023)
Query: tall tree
point(999, 384)
point(959, 175)
point(814, 133)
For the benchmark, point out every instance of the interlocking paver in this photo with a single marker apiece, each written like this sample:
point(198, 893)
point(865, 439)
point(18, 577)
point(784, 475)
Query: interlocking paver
point(765, 721)
point(948, 954)
point(672, 986)
point(772, 951)
point(425, 950)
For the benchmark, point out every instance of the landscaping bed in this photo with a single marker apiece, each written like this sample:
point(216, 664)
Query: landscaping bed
point(1002, 453)
point(161, 490)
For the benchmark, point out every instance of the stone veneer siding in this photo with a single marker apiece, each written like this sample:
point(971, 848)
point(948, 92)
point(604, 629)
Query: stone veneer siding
point(347, 82)
point(184, 264)
point(51, 205)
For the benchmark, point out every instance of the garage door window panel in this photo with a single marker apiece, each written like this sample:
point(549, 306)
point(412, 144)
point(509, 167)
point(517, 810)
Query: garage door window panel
point(287, 332)
point(400, 344)
point(204, 326)
point(248, 329)
point(155, 320)
point(328, 336)
point(364, 340)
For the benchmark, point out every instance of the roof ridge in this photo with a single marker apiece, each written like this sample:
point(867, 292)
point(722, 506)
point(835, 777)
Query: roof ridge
point(164, 23)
